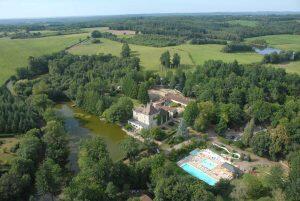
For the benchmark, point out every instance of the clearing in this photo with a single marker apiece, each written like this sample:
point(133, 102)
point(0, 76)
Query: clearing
point(190, 54)
point(6, 156)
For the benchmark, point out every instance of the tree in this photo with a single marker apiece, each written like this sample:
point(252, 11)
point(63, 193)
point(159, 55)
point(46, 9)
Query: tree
point(293, 184)
point(165, 59)
point(56, 140)
point(176, 60)
point(125, 51)
point(96, 34)
point(182, 129)
point(248, 132)
point(120, 111)
point(249, 187)
point(201, 123)
point(190, 113)
point(14, 187)
point(157, 133)
point(30, 148)
point(129, 87)
point(274, 180)
point(93, 180)
point(280, 142)
point(130, 147)
point(261, 111)
point(221, 127)
point(49, 178)
point(260, 143)
point(143, 95)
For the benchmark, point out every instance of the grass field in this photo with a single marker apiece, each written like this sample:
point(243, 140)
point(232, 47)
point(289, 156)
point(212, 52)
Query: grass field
point(247, 23)
point(14, 53)
point(292, 67)
point(283, 42)
point(190, 54)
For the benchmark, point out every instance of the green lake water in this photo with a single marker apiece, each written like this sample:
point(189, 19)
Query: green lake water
point(81, 125)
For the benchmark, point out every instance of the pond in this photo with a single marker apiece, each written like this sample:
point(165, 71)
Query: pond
point(81, 125)
point(267, 50)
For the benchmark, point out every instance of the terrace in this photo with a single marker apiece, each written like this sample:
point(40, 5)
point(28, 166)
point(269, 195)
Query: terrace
point(208, 166)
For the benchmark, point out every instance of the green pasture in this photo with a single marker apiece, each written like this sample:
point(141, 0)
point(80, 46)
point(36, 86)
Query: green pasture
point(190, 54)
point(283, 42)
point(14, 53)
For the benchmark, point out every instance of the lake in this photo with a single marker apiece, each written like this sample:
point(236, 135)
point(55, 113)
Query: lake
point(81, 125)
point(265, 51)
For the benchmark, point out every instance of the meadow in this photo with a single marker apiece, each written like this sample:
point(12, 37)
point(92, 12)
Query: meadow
point(190, 54)
point(283, 42)
point(15, 53)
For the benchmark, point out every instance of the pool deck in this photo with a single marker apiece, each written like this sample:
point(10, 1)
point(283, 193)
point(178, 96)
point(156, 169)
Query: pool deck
point(208, 162)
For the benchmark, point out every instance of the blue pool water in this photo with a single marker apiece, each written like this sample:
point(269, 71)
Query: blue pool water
point(198, 174)
point(208, 164)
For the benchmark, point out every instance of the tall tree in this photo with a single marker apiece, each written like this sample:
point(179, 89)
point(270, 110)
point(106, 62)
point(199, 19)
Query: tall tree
point(176, 60)
point(143, 95)
point(125, 50)
point(182, 129)
point(190, 113)
point(165, 59)
point(248, 132)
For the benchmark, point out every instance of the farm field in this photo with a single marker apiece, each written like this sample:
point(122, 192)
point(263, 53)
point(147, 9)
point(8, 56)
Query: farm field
point(190, 54)
point(14, 53)
point(283, 42)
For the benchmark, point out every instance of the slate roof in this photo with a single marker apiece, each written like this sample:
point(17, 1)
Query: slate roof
point(230, 168)
point(177, 98)
point(148, 110)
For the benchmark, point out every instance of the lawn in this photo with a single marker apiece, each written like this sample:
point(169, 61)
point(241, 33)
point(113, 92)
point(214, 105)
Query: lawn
point(190, 54)
point(14, 53)
point(283, 42)
point(248, 23)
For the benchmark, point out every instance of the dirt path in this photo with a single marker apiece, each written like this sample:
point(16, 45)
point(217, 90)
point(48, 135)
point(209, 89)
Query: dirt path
point(255, 160)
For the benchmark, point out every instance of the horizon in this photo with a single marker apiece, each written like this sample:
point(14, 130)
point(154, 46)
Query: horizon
point(258, 13)
point(34, 9)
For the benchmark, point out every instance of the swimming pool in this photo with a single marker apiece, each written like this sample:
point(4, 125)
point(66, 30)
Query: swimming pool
point(208, 164)
point(198, 174)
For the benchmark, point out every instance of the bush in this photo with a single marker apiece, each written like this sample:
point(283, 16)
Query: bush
point(128, 127)
point(96, 41)
point(237, 47)
point(201, 41)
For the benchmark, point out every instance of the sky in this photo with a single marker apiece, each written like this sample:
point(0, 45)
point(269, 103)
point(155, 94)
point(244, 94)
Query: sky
point(60, 8)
